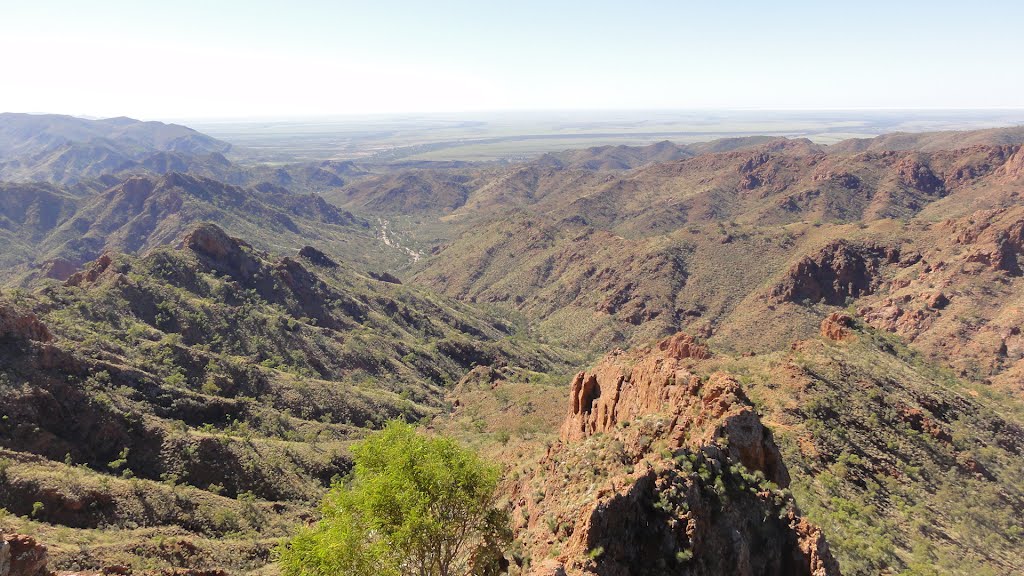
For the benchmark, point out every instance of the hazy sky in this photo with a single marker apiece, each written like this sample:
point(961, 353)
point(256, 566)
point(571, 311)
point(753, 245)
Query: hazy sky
point(226, 58)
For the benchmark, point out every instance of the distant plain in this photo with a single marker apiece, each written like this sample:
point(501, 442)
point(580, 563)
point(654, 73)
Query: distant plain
point(493, 136)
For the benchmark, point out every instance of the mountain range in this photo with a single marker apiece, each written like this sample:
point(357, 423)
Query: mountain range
point(748, 356)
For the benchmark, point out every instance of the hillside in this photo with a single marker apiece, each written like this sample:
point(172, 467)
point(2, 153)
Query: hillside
point(54, 233)
point(65, 149)
point(208, 389)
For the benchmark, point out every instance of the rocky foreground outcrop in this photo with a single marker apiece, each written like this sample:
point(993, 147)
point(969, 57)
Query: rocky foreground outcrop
point(663, 471)
point(21, 555)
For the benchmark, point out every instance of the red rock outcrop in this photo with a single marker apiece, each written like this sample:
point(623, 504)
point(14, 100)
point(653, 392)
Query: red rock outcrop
point(90, 275)
point(58, 268)
point(838, 271)
point(699, 494)
point(912, 173)
point(17, 325)
point(21, 555)
point(222, 252)
point(995, 238)
point(317, 257)
point(837, 326)
point(1013, 169)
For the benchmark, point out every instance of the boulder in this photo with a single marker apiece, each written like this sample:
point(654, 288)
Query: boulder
point(26, 556)
point(837, 326)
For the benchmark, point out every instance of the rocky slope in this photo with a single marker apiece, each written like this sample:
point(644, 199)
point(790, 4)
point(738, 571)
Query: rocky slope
point(143, 212)
point(659, 471)
point(210, 390)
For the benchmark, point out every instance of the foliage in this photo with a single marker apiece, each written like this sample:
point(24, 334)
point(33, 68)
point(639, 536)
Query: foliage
point(414, 504)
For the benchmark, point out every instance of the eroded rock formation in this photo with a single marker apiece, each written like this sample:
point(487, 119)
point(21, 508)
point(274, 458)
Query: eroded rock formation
point(663, 471)
point(837, 326)
point(838, 271)
point(21, 555)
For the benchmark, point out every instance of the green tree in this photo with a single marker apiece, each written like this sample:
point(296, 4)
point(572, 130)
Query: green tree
point(414, 505)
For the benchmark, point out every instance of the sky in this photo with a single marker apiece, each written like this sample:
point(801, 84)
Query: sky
point(256, 58)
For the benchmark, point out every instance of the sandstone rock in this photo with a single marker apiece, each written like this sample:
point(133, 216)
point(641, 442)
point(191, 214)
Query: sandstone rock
point(838, 271)
point(210, 240)
point(18, 325)
point(996, 238)
point(5, 558)
point(937, 301)
point(837, 326)
point(225, 253)
point(624, 387)
point(548, 567)
point(658, 516)
point(385, 277)
point(27, 557)
point(95, 270)
point(917, 420)
point(813, 546)
point(919, 176)
point(1013, 169)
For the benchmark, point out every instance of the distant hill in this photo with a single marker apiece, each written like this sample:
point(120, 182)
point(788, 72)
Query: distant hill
point(932, 141)
point(622, 157)
point(861, 304)
point(67, 149)
point(31, 133)
point(53, 232)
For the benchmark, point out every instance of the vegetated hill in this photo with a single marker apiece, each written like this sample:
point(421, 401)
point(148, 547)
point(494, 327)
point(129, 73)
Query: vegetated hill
point(614, 157)
point(433, 188)
point(899, 417)
point(143, 212)
point(579, 284)
point(409, 191)
point(621, 157)
point(742, 218)
point(21, 133)
point(932, 141)
point(67, 149)
point(75, 151)
point(780, 182)
point(208, 392)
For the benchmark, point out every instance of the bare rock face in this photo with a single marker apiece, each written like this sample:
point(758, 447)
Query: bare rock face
point(661, 471)
point(919, 176)
point(93, 273)
point(838, 271)
point(627, 386)
point(22, 556)
point(837, 326)
point(1013, 169)
point(17, 325)
point(996, 239)
point(385, 277)
point(58, 268)
point(223, 252)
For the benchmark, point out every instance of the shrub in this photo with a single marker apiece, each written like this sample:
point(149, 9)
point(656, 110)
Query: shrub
point(415, 504)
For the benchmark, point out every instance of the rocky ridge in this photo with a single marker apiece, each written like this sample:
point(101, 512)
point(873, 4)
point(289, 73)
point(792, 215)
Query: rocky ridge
point(659, 471)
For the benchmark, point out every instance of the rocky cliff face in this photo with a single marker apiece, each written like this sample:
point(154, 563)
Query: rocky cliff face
point(661, 471)
point(838, 271)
